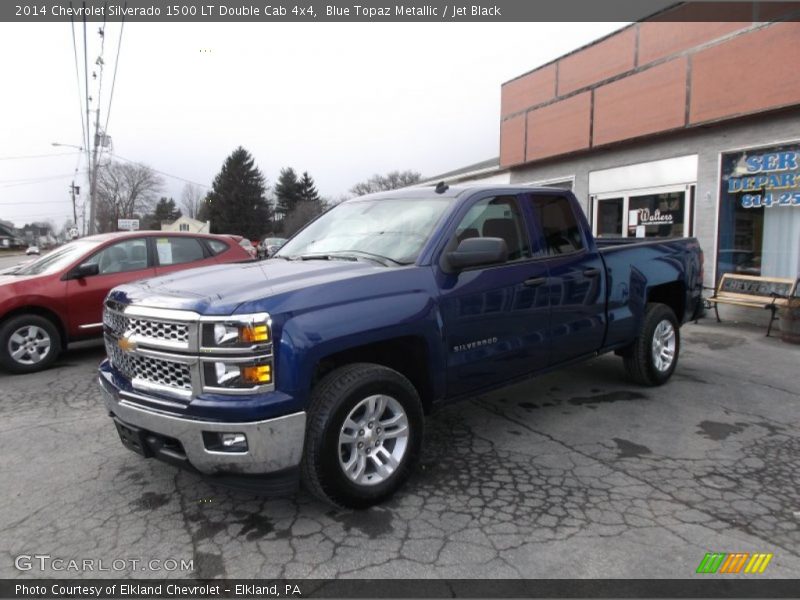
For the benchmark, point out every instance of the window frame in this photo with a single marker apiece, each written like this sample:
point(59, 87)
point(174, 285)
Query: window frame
point(204, 249)
point(451, 242)
point(541, 249)
point(110, 245)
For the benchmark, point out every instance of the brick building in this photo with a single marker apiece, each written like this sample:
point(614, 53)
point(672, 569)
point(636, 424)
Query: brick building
point(667, 129)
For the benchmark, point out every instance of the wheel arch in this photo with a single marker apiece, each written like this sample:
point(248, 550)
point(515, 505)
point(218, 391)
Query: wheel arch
point(43, 312)
point(408, 355)
point(672, 294)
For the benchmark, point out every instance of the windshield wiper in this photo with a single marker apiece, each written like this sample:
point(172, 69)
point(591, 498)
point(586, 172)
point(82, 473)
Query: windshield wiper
point(379, 258)
point(331, 256)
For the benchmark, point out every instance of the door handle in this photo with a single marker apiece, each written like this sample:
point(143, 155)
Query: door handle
point(591, 272)
point(535, 281)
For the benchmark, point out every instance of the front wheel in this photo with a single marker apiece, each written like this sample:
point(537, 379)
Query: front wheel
point(28, 343)
point(652, 358)
point(363, 435)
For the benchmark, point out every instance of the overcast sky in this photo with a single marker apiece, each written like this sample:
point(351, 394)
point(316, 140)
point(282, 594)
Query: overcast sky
point(342, 101)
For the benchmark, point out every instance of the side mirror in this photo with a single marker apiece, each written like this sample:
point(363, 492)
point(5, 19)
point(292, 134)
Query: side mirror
point(85, 270)
point(475, 252)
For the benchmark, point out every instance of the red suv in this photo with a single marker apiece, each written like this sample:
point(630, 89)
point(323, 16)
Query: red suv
point(58, 298)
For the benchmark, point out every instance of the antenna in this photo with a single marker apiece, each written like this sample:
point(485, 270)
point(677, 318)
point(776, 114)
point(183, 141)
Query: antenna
point(441, 187)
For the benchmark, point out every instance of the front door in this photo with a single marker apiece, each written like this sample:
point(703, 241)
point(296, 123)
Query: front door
point(495, 317)
point(118, 263)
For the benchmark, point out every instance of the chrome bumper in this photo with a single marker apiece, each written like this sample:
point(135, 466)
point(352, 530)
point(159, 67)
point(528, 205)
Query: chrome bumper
point(273, 445)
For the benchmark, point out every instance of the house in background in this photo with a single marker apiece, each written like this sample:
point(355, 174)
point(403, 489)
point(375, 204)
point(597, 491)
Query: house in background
point(186, 224)
point(10, 236)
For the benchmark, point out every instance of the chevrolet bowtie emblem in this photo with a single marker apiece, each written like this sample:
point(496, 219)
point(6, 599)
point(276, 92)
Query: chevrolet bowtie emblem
point(126, 344)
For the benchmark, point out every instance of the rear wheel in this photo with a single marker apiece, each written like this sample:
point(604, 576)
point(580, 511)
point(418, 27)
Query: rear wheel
point(363, 435)
point(28, 343)
point(652, 358)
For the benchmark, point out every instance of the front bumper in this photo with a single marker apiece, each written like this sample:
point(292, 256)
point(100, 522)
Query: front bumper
point(274, 445)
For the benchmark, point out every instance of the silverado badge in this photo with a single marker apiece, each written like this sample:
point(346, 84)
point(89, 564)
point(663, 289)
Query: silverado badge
point(126, 344)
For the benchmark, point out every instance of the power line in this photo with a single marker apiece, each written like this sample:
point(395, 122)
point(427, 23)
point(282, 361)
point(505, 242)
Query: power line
point(22, 157)
point(32, 182)
point(116, 66)
point(77, 73)
point(136, 162)
point(32, 178)
point(34, 203)
point(86, 81)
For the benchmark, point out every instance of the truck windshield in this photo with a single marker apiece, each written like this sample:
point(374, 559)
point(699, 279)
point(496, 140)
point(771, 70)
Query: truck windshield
point(59, 258)
point(393, 229)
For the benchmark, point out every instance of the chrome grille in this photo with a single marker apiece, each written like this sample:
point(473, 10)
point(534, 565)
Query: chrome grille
point(157, 371)
point(120, 324)
point(158, 330)
point(114, 321)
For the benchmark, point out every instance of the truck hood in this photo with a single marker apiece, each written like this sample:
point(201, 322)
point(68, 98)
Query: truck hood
point(221, 289)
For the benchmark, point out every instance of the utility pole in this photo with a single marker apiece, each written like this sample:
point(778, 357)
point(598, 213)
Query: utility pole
point(93, 173)
point(74, 190)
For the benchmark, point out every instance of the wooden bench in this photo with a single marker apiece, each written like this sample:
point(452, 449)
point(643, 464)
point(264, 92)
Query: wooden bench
point(750, 291)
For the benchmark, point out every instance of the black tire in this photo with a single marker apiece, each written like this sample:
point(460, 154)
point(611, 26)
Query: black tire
point(639, 360)
point(332, 401)
point(25, 365)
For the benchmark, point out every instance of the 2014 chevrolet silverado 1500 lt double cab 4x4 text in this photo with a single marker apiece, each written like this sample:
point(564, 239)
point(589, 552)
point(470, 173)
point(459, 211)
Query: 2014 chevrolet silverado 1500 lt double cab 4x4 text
point(320, 363)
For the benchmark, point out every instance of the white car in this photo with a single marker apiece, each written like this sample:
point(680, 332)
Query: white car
point(32, 250)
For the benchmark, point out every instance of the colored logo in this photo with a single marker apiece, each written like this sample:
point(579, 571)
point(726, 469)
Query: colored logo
point(736, 562)
point(126, 344)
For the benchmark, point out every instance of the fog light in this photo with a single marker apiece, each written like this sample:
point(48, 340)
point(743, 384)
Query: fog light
point(225, 441)
point(234, 441)
point(258, 374)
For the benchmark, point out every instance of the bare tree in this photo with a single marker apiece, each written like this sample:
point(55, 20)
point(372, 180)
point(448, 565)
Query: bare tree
point(381, 183)
point(125, 191)
point(191, 199)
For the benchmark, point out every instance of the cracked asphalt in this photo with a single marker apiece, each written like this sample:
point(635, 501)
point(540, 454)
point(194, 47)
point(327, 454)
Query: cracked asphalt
point(575, 474)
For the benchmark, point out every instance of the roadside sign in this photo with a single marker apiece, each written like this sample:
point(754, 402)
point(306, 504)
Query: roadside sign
point(128, 224)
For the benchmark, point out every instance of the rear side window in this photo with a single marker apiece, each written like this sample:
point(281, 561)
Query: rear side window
point(178, 250)
point(560, 230)
point(217, 247)
point(497, 217)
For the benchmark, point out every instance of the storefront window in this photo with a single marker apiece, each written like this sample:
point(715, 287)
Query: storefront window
point(661, 215)
point(759, 212)
point(655, 213)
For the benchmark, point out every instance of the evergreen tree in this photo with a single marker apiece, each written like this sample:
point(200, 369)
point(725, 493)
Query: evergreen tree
point(287, 192)
point(237, 201)
point(308, 191)
point(165, 211)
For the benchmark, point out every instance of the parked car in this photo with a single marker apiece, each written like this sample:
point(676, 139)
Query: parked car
point(272, 245)
point(32, 250)
point(246, 244)
point(58, 298)
point(321, 362)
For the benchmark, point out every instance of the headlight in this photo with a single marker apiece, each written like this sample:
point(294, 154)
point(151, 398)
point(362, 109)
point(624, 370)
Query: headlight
point(236, 332)
point(237, 375)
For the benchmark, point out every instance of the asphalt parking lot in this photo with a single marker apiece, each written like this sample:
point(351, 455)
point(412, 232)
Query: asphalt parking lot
point(575, 474)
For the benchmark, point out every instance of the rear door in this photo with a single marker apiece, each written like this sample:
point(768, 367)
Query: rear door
point(576, 278)
point(118, 263)
point(496, 316)
point(175, 253)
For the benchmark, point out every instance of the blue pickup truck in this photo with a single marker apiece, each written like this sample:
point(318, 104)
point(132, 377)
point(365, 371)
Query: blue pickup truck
point(321, 363)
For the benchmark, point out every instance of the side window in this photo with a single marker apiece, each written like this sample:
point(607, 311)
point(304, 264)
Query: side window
point(130, 255)
point(178, 250)
point(560, 230)
point(217, 247)
point(497, 217)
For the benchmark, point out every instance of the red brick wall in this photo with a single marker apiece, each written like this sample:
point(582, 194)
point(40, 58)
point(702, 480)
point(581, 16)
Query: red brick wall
point(649, 78)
